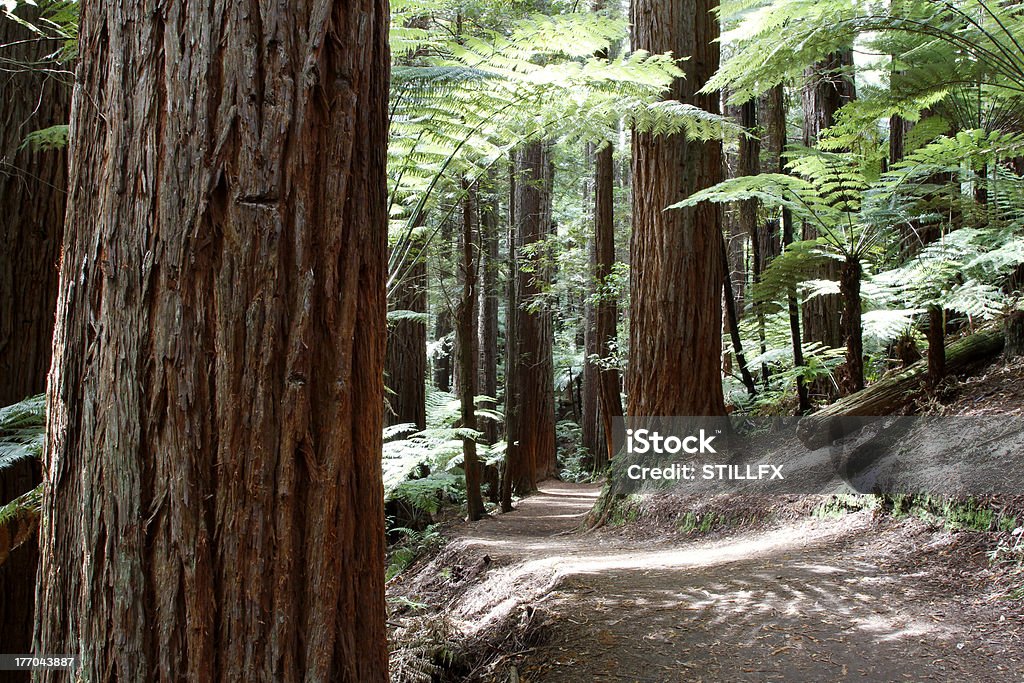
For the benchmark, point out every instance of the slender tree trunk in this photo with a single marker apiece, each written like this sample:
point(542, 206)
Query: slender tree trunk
point(465, 344)
point(214, 509)
point(853, 338)
point(676, 317)
point(827, 87)
point(32, 198)
point(514, 465)
point(606, 314)
point(534, 369)
point(803, 395)
point(733, 323)
point(405, 367)
point(590, 401)
point(936, 345)
point(443, 370)
point(487, 331)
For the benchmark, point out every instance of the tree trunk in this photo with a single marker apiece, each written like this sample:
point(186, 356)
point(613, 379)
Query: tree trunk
point(676, 317)
point(734, 326)
point(803, 395)
point(32, 198)
point(534, 368)
point(936, 345)
point(1014, 331)
point(606, 314)
point(405, 368)
point(465, 344)
point(514, 464)
point(214, 509)
point(443, 319)
point(590, 403)
point(827, 87)
point(487, 330)
point(853, 338)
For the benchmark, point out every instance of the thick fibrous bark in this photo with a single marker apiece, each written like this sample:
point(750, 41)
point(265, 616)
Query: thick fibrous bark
point(32, 198)
point(213, 509)
point(405, 367)
point(534, 458)
point(606, 314)
point(676, 317)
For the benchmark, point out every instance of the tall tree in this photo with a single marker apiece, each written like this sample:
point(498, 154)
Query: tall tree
point(828, 85)
point(676, 316)
point(466, 350)
point(487, 325)
point(213, 508)
point(32, 197)
point(405, 367)
point(534, 456)
point(606, 314)
point(443, 370)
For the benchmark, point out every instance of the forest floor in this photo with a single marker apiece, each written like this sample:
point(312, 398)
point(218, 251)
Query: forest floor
point(861, 597)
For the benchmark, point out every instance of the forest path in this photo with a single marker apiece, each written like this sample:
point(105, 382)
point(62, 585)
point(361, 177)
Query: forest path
point(812, 600)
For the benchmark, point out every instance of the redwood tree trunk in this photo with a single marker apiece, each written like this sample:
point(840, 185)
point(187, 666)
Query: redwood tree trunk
point(465, 345)
point(213, 509)
point(405, 367)
point(606, 313)
point(534, 372)
point(676, 317)
point(515, 468)
point(32, 198)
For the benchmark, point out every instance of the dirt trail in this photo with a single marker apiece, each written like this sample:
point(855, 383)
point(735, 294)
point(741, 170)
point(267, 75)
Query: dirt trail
point(812, 600)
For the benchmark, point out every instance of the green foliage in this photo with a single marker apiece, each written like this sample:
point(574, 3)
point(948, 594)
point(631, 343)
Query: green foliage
point(411, 546)
point(22, 429)
point(45, 139)
point(424, 468)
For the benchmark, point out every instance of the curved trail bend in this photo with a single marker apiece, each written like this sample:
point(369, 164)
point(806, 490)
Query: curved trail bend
point(810, 600)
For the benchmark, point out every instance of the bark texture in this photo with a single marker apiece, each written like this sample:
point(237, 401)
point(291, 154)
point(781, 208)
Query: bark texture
point(465, 346)
point(606, 310)
point(405, 367)
point(32, 198)
point(214, 505)
point(534, 457)
point(676, 317)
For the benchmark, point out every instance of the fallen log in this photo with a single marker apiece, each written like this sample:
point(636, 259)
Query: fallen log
point(890, 394)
